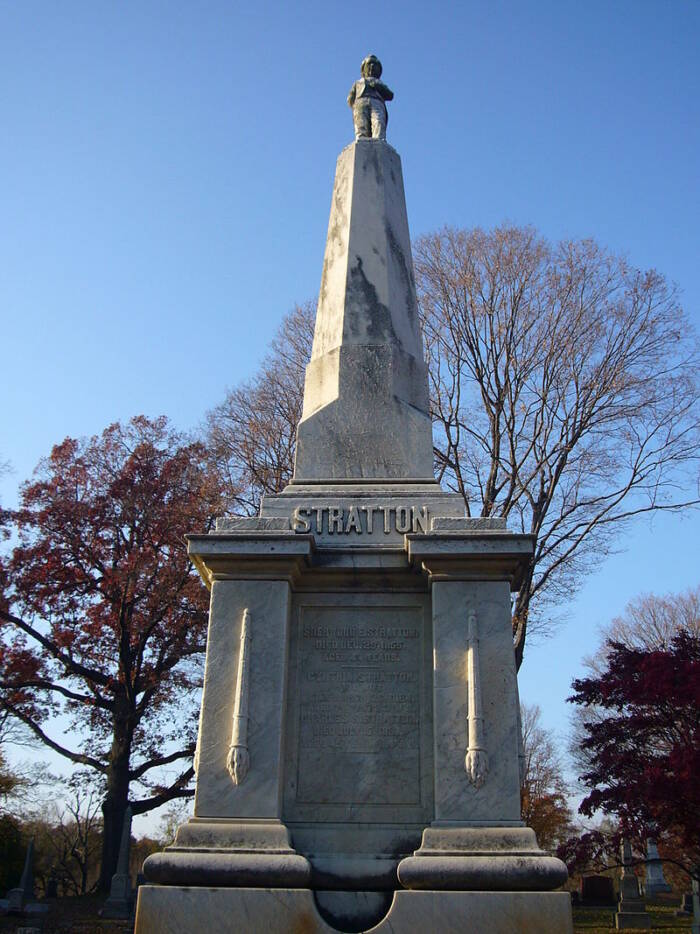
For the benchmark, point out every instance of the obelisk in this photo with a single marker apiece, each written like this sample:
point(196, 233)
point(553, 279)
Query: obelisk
point(366, 407)
point(357, 759)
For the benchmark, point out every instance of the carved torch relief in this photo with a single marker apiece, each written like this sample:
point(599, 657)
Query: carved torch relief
point(476, 761)
point(238, 759)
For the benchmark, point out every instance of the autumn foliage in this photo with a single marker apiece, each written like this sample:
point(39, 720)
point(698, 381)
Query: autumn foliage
point(104, 619)
point(644, 753)
point(543, 792)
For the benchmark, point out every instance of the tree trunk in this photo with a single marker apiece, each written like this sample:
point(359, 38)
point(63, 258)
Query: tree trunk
point(520, 618)
point(117, 795)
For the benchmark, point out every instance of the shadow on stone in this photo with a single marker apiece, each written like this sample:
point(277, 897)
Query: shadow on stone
point(353, 912)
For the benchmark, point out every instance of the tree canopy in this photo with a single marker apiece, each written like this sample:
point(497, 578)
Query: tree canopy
point(104, 619)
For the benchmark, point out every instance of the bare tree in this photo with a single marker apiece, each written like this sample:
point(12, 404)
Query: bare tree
point(543, 791)
point(648, 623)
point(252, 434)
point(564, 395)
point(75, 841)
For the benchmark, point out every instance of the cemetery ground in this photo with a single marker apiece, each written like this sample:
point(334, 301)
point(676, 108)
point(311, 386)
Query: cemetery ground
point(662, 910)
point(80, 915)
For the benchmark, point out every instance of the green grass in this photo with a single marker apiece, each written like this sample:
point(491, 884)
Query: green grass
point(661, 911)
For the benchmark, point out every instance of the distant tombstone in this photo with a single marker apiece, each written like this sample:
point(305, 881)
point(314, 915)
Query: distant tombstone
point(120, 901)
point(686, 906)
point(655, 881)
point(52, 885)
point(631, 913)
point(18, 897)
point(597, 890)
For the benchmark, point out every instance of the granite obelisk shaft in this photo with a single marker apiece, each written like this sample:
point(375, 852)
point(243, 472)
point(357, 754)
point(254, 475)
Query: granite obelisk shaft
point(366, 406)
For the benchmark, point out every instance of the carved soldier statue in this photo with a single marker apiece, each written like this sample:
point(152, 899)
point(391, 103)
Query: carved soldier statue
point(367, 98)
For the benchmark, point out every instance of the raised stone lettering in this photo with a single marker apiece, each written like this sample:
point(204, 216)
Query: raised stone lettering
point(369, 512)
point(400, 519)
point(335, 519)
point(403, 519)
point(353, 521)
point(300, 520)
point(319, 519)
point(420, 519)
point(387, 523)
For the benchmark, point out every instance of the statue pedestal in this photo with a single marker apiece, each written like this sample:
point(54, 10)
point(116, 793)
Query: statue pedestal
point(363, 654)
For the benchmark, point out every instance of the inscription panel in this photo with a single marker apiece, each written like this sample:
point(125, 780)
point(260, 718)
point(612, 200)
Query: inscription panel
point(359, 709)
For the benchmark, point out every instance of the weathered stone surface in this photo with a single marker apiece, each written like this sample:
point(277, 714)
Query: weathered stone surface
point(253, 524)
point(176, 910)
point(487, 858)
point(366, 406)
point(457, 799)
point(268, 603)
point(463, 524)
point(194, 867)
point(359, 710)
point(361, 515)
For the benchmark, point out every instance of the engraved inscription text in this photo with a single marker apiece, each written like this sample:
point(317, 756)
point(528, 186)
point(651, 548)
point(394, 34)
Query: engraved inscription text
point(359, 712)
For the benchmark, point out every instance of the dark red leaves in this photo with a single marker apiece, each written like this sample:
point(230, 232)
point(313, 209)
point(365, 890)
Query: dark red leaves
point(645, 755)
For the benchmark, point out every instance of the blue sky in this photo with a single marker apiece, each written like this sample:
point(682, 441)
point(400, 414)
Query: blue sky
point(166, 177)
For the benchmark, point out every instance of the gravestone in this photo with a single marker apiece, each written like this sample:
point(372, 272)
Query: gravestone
point(655, 881)
point(23, 894)
point(597, 890)
point(357, 758)
point(631, 912)
point(52, 884)
point(20, 900)
point(120, 902)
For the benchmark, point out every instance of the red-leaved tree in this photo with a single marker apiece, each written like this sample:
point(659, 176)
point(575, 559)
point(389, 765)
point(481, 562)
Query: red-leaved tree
point(644, 753)
point(103, 620)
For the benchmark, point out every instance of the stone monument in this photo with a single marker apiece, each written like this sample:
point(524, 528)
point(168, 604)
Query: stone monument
point(655, 881)
point(357, 760)
point(23, 894)
point(631, 912)
point(120, 902)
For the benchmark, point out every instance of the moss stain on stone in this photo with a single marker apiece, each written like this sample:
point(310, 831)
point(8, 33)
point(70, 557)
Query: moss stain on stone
point(364, 307)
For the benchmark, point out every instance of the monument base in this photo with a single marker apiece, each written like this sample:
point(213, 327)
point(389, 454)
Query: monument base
point(634, 920)
point(183, 909)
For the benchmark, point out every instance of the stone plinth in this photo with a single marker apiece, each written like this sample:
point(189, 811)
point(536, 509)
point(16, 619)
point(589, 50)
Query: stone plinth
point(360, 650)
point(177, 910)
